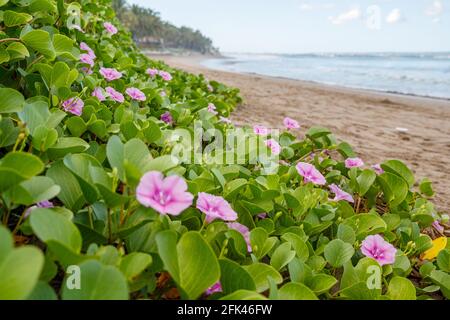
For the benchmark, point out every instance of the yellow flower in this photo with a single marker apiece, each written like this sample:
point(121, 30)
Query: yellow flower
point(438, 245)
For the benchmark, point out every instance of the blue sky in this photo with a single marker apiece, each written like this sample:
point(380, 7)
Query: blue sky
point(299, 26)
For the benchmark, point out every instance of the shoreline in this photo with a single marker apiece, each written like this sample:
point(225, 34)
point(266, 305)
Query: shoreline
point(368, 120)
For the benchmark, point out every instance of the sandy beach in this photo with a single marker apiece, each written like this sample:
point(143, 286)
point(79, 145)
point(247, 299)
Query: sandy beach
point(366, 119)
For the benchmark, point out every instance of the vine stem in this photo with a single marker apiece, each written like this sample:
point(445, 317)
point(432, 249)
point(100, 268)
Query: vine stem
point(9, 39)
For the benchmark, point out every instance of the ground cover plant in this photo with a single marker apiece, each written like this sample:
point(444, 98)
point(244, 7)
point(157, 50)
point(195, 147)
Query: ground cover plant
point(95, 206)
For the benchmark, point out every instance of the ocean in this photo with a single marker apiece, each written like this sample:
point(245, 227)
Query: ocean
point(421, 74)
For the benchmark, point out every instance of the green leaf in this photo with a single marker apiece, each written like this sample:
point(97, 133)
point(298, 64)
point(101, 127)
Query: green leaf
point(20, 270)
point(296, 291)
point(39, 40)
point(400, 169)
point(12, 18)
point(260, 273)
point(395, 188)
point(346, 234)
point(4, 56)
point(42, 291)
point(401, 289)
point(17, 50)
point(426, 187)
point(35, 190)
point(49, 225)
point(321, 283)
point(134, 264)
point(300, 247)
point(282, 256)
point(234, 277)
point(442, 279)
point(443, 260)
point(365, 181)
point(244, 295)
point(67, 145)
point(337, 252)
point(195, 257)
point(167, 248)
point(10, 100)
point(44, 138)
point(98, 282)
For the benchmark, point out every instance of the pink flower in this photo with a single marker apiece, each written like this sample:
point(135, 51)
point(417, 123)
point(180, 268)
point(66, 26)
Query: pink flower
point(215, 207)
point(353, 163)
point(42, 204)
point(167, 117)
point(217, 287)
point(165, 195)
point(244, 231)
point(262, 215)
point(86, 58)
point(260, 130)
point(378, 169)
point(290, 123)
point(152, 72)
point(87, 70)
point(438, 226)
point(225, 120)
point(212, 108)
point(110, 28)
point(310, 173)
point(85, 47)
point(209, 87)
point(274, 146)
point(74, 106)
point(163, 94)
point(340, 194)
point(377, 248)
point(135, 94)
point(98, 93)
point(165, 75)
point(113, 94)
point(110, 74)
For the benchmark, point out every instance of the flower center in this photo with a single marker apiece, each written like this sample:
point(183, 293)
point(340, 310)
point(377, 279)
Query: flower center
point(162, 197)
point(378, 253)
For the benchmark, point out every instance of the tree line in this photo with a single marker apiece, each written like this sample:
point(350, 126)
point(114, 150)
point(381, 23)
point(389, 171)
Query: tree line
point(150, 31)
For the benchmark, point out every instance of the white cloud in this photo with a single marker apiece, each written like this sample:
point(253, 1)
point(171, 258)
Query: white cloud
point(350, 15)
point(394, 16)
point(435, 9)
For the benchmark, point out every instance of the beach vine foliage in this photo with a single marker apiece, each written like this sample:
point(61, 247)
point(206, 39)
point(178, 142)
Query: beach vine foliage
point(93, 205)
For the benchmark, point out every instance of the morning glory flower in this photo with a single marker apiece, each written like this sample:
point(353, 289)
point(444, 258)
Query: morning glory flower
point(215, 207)
point(74, 106)
point(212, 108)
point(340, 194)
point(377, 168)
point(438, 226)
point(217, 287)
point(115, 95)
point(210, 88)
point(98, 93)
point(310, 173)
point(377, 248)
point(87, 59)
point(353, 163)
point(42, 204)
point(166, 195)
point(242, 230)
point(85, 47)
point(110, 28)
point(152, 72)
point(260, 130)
point(290, 123)
point(165, 75)
point(110, 74)
point(225, 120)
point(167, 117)
point(135, 94)
point(274, 146)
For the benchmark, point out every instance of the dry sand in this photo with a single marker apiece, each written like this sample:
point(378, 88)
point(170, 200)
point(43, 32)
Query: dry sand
point(366, 119)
